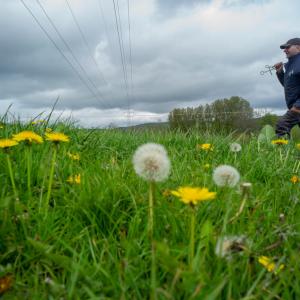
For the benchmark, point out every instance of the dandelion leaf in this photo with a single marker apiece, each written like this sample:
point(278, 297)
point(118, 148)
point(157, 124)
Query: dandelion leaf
point(266, 134)
point(45, 251)
point(167, 261)
point(295, 133)
point(261, 138)
point(268, 131)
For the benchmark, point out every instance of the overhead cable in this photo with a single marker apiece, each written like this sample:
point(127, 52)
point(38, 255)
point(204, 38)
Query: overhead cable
point(85, 42)
point(130, 46)
point(59, 50)
point(68, 47)
point(105, 26)
point(122, 53)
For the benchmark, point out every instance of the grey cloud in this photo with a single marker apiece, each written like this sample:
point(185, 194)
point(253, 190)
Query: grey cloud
point(171, 5)
point(241, 3)
point(186, 59)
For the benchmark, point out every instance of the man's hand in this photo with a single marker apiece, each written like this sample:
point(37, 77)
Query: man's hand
point(295, 109)
point(278, 67)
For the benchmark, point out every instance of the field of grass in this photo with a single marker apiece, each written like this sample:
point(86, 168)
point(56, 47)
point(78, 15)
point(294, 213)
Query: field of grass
point(88, 238)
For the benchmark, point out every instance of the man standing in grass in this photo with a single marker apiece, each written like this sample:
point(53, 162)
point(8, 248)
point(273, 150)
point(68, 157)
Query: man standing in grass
point(289, 76)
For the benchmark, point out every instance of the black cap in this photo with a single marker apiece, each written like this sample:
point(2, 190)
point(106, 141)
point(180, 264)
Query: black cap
point(294, 41)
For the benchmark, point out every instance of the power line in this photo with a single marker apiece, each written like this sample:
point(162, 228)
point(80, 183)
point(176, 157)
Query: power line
point(130, 46)
point(121, 47)
point(105, 26)
point(59, 50)
point(68, 47)
point(121, 37)
point(129, 114)
point(85, 42)
point(130, 57)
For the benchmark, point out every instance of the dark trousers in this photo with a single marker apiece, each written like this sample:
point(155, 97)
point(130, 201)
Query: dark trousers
point(286, 123)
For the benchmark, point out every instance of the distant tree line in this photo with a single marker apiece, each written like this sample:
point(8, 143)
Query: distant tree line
point(223, 115)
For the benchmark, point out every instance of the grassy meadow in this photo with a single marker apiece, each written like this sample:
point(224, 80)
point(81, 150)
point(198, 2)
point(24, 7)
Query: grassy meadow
point(74, 218)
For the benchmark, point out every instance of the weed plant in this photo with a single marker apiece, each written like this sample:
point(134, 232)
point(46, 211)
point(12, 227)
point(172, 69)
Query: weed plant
point(91, 239)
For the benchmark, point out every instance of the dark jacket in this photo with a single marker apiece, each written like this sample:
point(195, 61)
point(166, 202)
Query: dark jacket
point(290, 79)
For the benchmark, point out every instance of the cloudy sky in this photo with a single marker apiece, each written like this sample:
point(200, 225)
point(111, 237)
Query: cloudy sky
point(115, 61)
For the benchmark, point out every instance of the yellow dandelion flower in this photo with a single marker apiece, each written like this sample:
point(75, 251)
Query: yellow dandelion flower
point(48, 130)
point(269, 264)
point(190, 195)
point(280, 142)
point(74, 179)
point(298, 146)
point(5, 283)
point(28, 136)
point(206, 166)
point(295, 179)
point(205, 147)
point(7, 143)
point(74, 156)
point(56, 137)
point(1, 126)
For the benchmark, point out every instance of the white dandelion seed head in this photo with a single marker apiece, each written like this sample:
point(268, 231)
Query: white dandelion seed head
point(225, 175)
point(281, 217)
point(49, 281)
point(246, 185)
point(245, 188)
point(228, 245)
point(235, 147)
point(151, 162)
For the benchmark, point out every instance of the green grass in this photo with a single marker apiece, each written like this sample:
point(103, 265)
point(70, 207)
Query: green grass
point(91, 242)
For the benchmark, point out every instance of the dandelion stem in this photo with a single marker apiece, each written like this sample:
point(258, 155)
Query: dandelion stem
point(11, 175)
point(192, 238)
point(286, 157)
point(280, 154)
point(151, 200)
point(227, 212)
point(150, 232)
point(297, 167)
point(51, 177)
point(239, 211)
point(235, 157)
point(29, 171)
point(153, 272)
